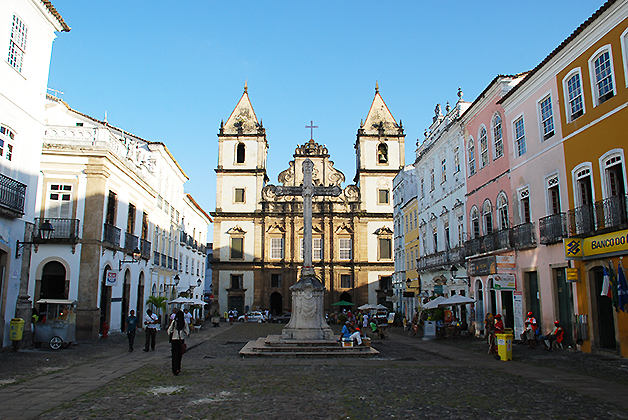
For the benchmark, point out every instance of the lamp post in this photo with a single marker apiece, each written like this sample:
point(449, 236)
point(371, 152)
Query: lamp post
point(45, 233)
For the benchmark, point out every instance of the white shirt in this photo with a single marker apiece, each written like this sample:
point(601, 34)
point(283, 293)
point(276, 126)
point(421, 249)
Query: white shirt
point(188, 318)
point(151, 321)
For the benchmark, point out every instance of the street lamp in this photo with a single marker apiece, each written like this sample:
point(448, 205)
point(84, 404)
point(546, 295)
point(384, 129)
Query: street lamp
point(45, 233)
point(135, 258)
point(199, 282)
point(453, 270)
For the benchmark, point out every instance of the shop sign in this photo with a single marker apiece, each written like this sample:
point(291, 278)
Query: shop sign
point(572, 274)
point(596, 246)
point(112, 278)
point(504, 282)
point(408, 294)
point(482, 266)
point(505, 261)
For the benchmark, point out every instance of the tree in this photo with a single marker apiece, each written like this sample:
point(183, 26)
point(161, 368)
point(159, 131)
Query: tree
point(159, 302)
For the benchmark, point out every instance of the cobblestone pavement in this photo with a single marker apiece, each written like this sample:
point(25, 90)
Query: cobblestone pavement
point(410, 379)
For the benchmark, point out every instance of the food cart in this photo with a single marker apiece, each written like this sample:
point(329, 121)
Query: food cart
point(57, 323)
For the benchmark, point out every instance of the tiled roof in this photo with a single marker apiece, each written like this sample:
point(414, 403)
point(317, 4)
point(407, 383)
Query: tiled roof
point(56, 14)
point(199, 208)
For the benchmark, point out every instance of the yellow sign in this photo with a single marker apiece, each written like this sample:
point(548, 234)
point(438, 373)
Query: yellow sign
point(572, 274)
point(610, 243)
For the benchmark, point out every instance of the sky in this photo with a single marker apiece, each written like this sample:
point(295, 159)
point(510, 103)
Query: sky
point(171, 71)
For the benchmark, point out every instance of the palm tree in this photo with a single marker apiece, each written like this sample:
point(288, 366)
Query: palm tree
point(159, 302)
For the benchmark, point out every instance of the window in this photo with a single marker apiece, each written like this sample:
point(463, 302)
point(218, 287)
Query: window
point(237, 248)
point(443, 170)
point(487, 215)
point(240, 153)
point(574, 92)
point(345, 281)
point(238, 195)
point(475, 222)
point(130, 220)
point(345, 249)
point(471, 149)
point(547, 117)
point(431, 179)
point(524, 204)
point(382, 153)
point(422, 188)
point(7, 136)
point(502, 211)
point(275, 280)
point(276, 248)
point(553, 195)
point(112, 207)
point(483, 139)
point(59, 201)
point(435, 236)
point(415, 219)
point(181, 262)
point(187, 264)
point(602, 68)
point(406, 219)
point(497, 136)
point(17, 45)
point(385, 249)
point(317, 248)
point(236, 281)
point(460, 230)
point(456, 160)
point(520, 137)
point(446, 227)
point(383, 196)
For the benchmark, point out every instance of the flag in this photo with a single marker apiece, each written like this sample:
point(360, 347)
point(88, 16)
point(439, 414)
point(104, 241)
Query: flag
point(622, 288)
point(614, 287)
point(606, 285)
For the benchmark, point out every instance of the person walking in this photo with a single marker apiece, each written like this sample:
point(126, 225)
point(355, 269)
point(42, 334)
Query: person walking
point(177, 331)
point(188, 319)
point(131, 327)
point(151, 323)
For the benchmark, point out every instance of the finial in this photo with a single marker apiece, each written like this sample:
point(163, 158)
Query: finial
point(376, 87)
point(246, 88)
point(447, 107)
point(460, 93)
point(425, 133)
point(222, 123)
point(105, 116)
point(361, 123)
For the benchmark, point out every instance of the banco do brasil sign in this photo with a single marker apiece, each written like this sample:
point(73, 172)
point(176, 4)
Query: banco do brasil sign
point(596, 246)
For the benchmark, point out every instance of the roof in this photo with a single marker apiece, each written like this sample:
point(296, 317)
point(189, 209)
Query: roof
point(199, 208)
point(488, 87)
point(561, 47)
point(56, 14)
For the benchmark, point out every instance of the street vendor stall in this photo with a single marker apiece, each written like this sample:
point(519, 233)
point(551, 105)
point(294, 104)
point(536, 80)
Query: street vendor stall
point(57, 323)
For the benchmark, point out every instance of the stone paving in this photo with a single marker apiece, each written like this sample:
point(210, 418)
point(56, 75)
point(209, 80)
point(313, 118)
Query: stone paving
point(410, 379)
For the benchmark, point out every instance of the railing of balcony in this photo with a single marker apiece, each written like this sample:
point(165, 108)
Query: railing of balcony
point(523, 236)
point(553, 228)
point(145, 248)
point(12, 194)
point(491, 242)
point(189, 242)
point(442, 259)
point(183, 238)
point(130, 241)
point(65, 230)
point(111, 235)
point(611, 212)
point(195, 246)
point(581, 220)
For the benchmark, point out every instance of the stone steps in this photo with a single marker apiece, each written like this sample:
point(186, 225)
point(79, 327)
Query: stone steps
point(274, 346)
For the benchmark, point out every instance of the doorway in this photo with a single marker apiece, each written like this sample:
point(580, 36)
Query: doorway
point(508, 311)
point(53, 281)
point(604, 313)
point(237, 303)
point(276, 303)
point(105, 299)
point(533, 301)
point(564, 303)
point(479, 306)
point(126, 292)
point(139, 306)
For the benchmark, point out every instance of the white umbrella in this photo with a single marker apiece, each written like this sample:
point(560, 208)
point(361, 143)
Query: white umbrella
point(182, 300)
point(380, 306)
point(433, 304)
point(366, 307)
point(456, 300)
point(197, 302)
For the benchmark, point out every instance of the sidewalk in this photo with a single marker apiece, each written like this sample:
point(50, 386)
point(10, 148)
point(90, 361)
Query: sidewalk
point(31, 398)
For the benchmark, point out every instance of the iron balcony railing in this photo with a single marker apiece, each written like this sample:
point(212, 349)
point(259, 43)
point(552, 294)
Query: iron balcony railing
point(488, 243)
point(189, 241)
point(581, 221)
point(183, 238)
point(145, 248)
point(65, 230)
point(553, 228)
point(12, 195)
point(523, 236)
point(130, 242)
point(442, 259)
point(195, 246)
point(111, 235)
point(611, 213)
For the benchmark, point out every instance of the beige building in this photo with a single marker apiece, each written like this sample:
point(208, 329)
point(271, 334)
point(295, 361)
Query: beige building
point(258, 235)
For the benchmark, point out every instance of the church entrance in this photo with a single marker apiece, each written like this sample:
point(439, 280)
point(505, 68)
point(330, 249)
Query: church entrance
point(237, 303)
point(346, 297)
point(276, 303)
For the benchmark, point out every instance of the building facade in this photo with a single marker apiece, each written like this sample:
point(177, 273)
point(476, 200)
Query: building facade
point(258, 235)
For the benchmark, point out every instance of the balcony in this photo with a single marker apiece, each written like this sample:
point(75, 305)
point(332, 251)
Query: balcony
point(65, 230)
point(145, 249)
point(156, 258)
point(170, 262)
point(603, 216)
point(164, 260)
point(12, 195)
point(183, 238)
point(523, 236)
point(581, 221)
point(130, 242)
point(441, 260)
point(553, 228)
point(111, 235)
point(488, 243)
point(175, 265)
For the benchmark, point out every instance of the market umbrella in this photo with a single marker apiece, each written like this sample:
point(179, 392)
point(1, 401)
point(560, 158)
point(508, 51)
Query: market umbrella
point(182, 300)
point(197, 302)
point(342, 303)
point(433, 304)
point(456, 300)
point(380, 306)
point(367, 307)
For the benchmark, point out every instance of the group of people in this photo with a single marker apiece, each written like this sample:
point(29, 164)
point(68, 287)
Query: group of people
point(178, 329)
point(531, 334)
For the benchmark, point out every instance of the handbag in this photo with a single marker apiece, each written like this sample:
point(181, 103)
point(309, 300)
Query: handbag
point(184, 348)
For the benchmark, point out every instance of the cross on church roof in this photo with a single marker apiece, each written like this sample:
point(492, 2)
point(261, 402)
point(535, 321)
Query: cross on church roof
point(311, 127)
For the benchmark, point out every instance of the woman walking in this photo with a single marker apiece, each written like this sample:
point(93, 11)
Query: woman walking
point(177, 331)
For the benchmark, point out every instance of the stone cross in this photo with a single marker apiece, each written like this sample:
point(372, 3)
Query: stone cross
point(311, 127)
point(307, 191)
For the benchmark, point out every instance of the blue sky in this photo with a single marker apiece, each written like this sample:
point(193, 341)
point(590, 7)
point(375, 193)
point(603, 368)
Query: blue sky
point(171, 71)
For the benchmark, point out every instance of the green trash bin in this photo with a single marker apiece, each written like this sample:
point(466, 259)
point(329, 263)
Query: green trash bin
point(17, 328)
point(504, 346)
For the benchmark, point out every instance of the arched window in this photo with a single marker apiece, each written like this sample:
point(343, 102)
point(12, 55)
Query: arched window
point(502, 211)
point(487, 216)
point(382, 153)
point(471, 150)
point(53, 281)
point(497, 135)
point(601, 66)
point(475, 222)
point(240, 153)
point(483, 140)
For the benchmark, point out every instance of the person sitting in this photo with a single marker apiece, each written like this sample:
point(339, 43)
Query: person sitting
point(349, 332)
point(557, 335)
point(499, 324)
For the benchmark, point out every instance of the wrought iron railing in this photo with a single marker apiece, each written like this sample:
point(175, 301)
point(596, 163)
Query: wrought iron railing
point(183, 238)
point(523, 236)
point(581, 220)
point(145, 248)
point(611, 212)
point(111, 235)
point(488, 243)
point(553, 228)
point(65, 230)
point(442, 259)
point(130, 242)
point(12, 195)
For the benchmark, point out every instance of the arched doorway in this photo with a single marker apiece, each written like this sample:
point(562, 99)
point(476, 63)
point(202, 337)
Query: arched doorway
point(105, 299)
point(479, 306)
point(276, 303)
point(53, 281)
point(603, 310)
point(346, 297)
point(139, 306)
point(126, 292)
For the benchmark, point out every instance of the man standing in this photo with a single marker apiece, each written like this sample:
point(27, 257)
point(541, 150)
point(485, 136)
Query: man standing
point(188, 319)
point(150, 322)
point(131, 327)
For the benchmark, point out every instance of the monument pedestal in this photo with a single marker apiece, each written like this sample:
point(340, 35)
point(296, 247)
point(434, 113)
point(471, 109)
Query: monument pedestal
point(307, 321)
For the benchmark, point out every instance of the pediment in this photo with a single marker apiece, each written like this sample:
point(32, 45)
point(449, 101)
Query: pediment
point(315, 229)
point(344, 229)
point(236, 230)
point(275, 228)
point(384, 230)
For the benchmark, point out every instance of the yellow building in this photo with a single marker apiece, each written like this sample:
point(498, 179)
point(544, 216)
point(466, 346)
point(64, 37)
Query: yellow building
point(411, 228)
point(593, 100)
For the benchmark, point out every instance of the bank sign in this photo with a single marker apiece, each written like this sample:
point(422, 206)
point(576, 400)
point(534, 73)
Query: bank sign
point(596, 246)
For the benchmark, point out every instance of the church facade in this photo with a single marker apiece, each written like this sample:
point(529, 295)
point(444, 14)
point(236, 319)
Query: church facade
point(258, 236)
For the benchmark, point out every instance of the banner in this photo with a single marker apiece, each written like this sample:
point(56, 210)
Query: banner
point(504, 282)
point(112, 278)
